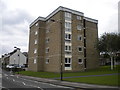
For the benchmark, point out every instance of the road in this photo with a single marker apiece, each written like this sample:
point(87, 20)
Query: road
point(14, 82)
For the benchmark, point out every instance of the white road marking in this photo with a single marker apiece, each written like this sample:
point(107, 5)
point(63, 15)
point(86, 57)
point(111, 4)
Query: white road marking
point(14, 80)
point(23, 83)
point(38, 87)
point(35, 86)
point(11, 75)
point(35, 82)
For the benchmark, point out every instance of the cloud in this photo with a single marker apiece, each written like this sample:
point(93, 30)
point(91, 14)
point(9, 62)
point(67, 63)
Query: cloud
point(15, 29)
point(16, 15)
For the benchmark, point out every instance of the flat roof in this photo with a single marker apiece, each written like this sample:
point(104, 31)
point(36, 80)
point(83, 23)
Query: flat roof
point(60, 8)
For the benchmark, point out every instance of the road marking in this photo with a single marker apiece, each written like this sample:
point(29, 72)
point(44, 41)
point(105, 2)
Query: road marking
point(35, 86)
point(38, 87)
point(14, 80)
point(23, 83)
point(11, 75)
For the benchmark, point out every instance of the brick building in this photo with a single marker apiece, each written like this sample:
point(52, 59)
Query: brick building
point(65, 38)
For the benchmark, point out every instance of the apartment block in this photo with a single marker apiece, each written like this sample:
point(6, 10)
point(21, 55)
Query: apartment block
point(65, 39)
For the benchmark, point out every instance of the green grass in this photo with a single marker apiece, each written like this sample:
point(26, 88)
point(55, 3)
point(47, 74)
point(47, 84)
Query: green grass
point(103, 80)
point(40, 74)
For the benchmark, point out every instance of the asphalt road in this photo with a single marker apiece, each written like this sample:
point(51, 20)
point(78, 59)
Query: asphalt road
point(14, 82)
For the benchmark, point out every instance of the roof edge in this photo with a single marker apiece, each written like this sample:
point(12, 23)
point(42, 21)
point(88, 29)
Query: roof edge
point(60, 8)
point(39, 18)
point(91, 20)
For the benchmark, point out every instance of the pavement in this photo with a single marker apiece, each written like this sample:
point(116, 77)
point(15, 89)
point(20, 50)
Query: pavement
point(80, 86)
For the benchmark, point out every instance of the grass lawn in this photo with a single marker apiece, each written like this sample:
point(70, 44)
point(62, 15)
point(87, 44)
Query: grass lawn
point(102, 80)
point(105, 80)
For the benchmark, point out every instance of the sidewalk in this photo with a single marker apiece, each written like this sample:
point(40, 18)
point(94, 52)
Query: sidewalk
point(71, 84)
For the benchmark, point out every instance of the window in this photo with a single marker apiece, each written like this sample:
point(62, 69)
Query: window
point(36, 24)
point(36, 32)
point(35, 50)
point(68, 29)
point(79, 27)
point(67, 60)
point(67, 65)
point(80, 49)
point(79, 17)
point(68, 36)
point(47, 50)
point(80, 37)
point(67, 25)
point(47, 40)
point(67, 14)
point(35, 41)
point(67, 48)
point(35, 61)
point(80, 61)
point(47, 60)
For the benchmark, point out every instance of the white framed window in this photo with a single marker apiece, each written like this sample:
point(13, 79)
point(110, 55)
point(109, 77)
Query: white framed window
point(79, 27)
point(67, 25)
point(67, 14)
point(68, 48)
point(35, 51)
point(80, 49)
point(47, 49)
point(68, 36)
point(80, 37)
point(35, 41)
point(47, 39)
point(36, 24)
point(67, 60)
point(67, 29)
point(48, 21)
point(35, 61)
point(47, 61)
point(80, 61)
point(36, 32)
point(79, 18)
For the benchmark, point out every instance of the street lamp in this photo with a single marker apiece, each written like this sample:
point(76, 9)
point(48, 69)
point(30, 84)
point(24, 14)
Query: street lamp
point(61, 63)
point(18, 58)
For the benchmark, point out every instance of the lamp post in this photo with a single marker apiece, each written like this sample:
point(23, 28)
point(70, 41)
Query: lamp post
point(18, 57)
point(61, 63)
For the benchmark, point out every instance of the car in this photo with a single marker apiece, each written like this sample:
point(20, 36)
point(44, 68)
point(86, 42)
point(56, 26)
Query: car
point(10, 66)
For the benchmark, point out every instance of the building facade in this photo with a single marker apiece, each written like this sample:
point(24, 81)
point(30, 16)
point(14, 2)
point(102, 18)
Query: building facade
point(15, 57)
point(65, 40)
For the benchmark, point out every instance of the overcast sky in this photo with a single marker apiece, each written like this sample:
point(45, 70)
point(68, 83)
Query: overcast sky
point(18, 14)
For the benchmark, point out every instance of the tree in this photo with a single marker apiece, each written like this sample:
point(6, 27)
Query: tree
point(109, 43)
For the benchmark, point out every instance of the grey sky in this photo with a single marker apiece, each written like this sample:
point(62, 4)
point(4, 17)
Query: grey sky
point(18, 14)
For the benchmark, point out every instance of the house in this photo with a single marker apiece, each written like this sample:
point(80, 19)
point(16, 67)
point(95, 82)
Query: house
point(15, 57)
point(65, 39)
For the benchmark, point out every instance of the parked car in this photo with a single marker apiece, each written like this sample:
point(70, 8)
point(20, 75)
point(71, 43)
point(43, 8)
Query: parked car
point(10, 66)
